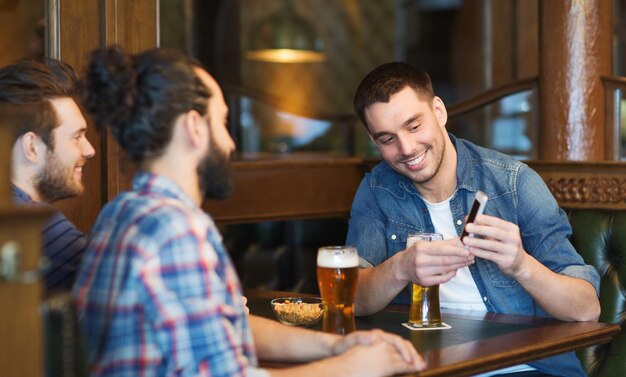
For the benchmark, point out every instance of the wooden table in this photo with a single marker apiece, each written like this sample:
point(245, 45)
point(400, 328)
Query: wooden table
point(475, 343)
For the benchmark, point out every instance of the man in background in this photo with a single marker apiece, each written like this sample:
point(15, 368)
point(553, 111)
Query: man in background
point(48, 156)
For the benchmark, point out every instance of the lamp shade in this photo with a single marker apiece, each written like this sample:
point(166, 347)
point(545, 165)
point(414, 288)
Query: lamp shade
point(285, 37)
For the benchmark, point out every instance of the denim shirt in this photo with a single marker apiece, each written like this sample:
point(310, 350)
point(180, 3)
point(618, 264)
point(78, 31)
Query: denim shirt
point(387, 207)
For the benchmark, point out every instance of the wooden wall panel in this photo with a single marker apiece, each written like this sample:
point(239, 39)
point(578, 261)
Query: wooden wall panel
point(21, 329)
point(84, 25)
point(6, 145)
point(78, 31)
point(74, 28)
point(19, 20)
point(575, 51)
point(133, 25)
point(289, 189)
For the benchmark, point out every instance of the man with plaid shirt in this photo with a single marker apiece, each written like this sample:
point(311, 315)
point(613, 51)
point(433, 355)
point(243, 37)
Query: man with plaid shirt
point(157, 293)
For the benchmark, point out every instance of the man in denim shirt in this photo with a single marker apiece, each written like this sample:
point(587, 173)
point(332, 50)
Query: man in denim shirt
point(521, 261)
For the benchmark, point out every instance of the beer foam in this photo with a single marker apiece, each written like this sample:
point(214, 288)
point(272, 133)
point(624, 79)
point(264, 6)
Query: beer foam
point(333, 259)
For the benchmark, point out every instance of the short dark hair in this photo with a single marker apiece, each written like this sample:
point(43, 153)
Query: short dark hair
point(388, 79)
point(21, 118)
point(34, 83)
point(140, 96)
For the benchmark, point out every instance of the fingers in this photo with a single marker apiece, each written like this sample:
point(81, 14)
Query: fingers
point(418, 361)
point(495, 234)
point(500, 242)
point(493, 221)
point(447, 248)
point(398, 361)
point(492, 227)
point(343, 343)
point(400, 354)
point(490, 244)
point(404, 347)
point(440, 254)
point(437, 279)
point(437, 262)
point(245, 304)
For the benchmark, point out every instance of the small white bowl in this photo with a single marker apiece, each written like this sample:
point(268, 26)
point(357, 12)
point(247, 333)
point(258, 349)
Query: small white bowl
point(298, 311)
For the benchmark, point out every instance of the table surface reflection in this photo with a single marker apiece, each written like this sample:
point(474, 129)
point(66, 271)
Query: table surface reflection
point(476, 342)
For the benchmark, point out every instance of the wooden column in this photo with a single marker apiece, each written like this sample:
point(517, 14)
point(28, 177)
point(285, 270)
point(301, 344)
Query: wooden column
point(75, 28)
point(575, 50)
point(134, 26)
point(72, 29)
point(21, 330)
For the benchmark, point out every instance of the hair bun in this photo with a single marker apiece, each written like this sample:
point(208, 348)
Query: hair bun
point(111, 87)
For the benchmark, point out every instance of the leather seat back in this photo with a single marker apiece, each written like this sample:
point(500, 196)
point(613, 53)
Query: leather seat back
point(600, 237)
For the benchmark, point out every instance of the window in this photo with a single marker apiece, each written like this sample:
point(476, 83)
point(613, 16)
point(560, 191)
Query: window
point(467, 47)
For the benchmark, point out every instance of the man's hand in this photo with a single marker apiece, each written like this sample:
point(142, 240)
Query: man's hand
point(501, 243)
point(432, 263)
point(367, 338)
point(245, 305)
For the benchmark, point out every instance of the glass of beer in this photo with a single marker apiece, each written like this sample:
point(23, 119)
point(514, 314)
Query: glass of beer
point(337, 273)
point(425, 311)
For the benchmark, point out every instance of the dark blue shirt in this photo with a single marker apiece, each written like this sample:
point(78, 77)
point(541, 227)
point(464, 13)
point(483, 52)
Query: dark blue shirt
point(62, 243)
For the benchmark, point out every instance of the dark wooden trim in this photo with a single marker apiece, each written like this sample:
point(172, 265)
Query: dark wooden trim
point(53, 29)
point(454, 110)
point(77, 29)
point(21, 345)
point(280, 189)
point(585, 184)
point(617, 81)
point(612, 86)
point(133, 25)
point(298, 187)
point(25, 213)
point(491, 96)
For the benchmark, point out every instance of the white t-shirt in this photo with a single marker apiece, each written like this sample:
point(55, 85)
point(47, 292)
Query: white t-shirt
point(461, 291)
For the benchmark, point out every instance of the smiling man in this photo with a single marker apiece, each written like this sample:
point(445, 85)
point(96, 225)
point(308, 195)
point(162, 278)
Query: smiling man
point(522, 261)
point(49, 154)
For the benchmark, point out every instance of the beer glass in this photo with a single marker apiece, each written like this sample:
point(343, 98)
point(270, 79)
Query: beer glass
point(337, 273)
point(425, 311)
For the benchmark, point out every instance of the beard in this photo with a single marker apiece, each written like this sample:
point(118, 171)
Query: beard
point(214, 173)
point(56, 181)
point(438, 160)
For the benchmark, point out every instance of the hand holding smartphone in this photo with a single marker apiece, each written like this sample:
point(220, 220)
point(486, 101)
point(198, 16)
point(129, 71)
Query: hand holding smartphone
point(478, 207)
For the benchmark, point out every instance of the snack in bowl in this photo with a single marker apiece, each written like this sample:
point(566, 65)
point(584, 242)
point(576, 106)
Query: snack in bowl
point(298, 311)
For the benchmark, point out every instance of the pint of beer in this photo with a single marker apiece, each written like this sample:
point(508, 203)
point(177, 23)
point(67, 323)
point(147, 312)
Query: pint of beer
point(337, 273)
point(425, 310)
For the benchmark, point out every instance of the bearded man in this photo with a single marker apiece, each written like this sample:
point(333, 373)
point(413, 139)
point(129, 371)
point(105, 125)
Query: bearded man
point(49, 154)
point(157, 293)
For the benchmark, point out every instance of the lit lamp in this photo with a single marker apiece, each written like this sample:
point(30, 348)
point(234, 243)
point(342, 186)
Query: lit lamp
point(285, 37)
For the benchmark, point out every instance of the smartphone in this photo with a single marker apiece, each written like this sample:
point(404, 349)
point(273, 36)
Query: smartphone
point(478, 207)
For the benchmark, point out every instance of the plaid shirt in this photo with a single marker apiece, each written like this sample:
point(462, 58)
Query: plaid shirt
point(157, 294)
